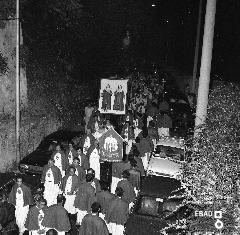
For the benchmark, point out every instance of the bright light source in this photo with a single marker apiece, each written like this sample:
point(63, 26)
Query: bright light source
point(153, 5)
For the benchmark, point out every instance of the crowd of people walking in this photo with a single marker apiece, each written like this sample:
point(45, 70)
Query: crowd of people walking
point(75, 198)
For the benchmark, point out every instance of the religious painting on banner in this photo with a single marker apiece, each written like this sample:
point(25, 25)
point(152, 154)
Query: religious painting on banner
point(111, 146)
point(113, 96)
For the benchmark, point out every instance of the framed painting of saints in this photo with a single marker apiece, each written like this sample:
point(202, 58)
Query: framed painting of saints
point(113, 96)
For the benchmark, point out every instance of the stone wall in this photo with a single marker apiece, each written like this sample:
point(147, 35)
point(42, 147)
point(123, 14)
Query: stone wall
point(33, 129)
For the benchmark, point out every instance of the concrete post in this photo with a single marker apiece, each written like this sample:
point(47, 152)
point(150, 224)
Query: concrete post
point(17, 84)
point(205, 70)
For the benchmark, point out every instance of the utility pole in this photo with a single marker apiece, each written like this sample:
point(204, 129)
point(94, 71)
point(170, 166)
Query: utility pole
point(203, 88)
point(17, 84)
point(195, 65)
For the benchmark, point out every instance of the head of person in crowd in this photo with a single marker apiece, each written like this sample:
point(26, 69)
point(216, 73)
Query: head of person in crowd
point(58, 147)
point(162, 113)
point(41, 203)
point(96, 143)
point(125, 174)
point(137, 140)
point(133, 163)
point(76, 161)
point(51, 162)
point(165, 113)
point(89, 178)
point(154, 104)
point(144, 132)
point(108, 124)
point(128, 116)
point(135, 151)
point(184, 116)
point(96, 208)
point(104, 187)
point(19, 180)
point(61, 199)
point(3, 197)
point(89, 104)
point(72, 170)
point(119, 192)
point(52, 232)
point(70, 145)
point(90, 171)
point(130, 157)
point(151, 124)
point(79, 150)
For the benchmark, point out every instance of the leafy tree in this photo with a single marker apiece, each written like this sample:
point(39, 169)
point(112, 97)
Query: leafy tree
point(213, 174)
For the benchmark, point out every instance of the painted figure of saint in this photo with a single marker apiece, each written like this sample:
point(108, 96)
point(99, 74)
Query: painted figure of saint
point(106, 98)
point(118, 101)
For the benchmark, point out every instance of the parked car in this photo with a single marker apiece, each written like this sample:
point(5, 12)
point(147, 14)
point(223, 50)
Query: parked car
point(7, 180)
point(34, 162)
point(168, 158)
point(155, 201)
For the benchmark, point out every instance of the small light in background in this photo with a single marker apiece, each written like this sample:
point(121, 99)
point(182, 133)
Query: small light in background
point(153, 4)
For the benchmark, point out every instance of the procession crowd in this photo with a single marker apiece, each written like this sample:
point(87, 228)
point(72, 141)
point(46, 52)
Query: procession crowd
point(75, 199)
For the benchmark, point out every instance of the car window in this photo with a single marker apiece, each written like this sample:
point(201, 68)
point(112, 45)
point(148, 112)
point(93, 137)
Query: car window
point(175, 153)
point(149, 206)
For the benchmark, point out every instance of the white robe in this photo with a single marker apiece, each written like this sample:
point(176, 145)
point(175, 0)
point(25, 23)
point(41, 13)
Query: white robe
point(86, 145)
point(58, 163)
point(40, 219)
point(70, 158)
point(69, 204)
point(20, 211)
point(94, 161)
point(51, 190)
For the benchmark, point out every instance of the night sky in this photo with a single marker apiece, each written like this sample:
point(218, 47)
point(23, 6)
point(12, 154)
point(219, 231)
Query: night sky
point(161, 31)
